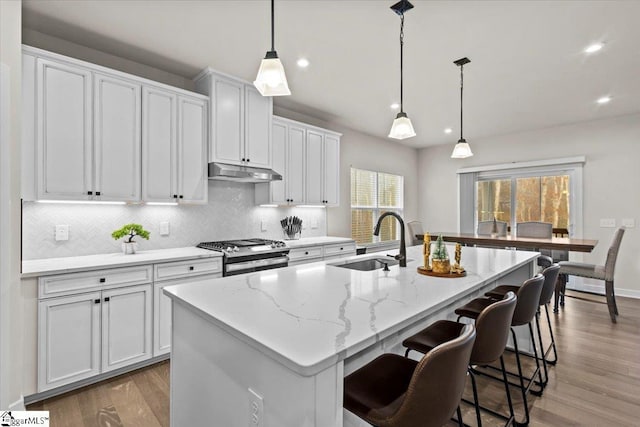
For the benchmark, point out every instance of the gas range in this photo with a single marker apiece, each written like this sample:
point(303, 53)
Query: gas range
point(247, 255)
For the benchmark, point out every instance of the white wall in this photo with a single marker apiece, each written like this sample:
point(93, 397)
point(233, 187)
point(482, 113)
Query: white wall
point(611, 178)
point(10, 300)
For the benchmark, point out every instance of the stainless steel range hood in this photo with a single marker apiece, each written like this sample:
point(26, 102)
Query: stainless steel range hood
point(227, 172)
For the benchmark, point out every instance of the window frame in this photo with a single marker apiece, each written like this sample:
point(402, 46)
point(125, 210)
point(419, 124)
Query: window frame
point(377, 209)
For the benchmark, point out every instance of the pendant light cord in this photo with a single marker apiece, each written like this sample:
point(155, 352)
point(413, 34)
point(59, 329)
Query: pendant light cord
point(461, 104)
point(273, 44)
point(401, 59)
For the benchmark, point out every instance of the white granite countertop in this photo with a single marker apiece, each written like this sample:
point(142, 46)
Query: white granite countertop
point(308, 317)
point(49, 266)
point(314, 241)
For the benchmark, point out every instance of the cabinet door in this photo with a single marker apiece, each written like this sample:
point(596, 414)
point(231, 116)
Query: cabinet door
point(314, 168)
point(68, 339)
point(159, 145)
point(29, 167)
point(126, 326)
point(295, 164)
point(116, 139)
point(227, 140)
point(192, 143)
point(279, 194)
point(63, 131)
point(162, 319)
point(258, 112)
point(331, 170)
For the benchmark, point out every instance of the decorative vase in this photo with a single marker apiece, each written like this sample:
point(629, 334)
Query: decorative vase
point(441, 266)
point(129, 248)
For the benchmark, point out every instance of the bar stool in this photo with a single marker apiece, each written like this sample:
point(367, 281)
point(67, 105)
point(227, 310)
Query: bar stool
point(524, 313)
point(393, 391)
point(492, 329)
point(548, 287)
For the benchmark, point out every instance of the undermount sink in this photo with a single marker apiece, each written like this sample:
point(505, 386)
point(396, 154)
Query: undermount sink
point(369, 264)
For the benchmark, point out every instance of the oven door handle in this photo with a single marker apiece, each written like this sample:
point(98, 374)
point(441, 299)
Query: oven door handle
point(257, 263)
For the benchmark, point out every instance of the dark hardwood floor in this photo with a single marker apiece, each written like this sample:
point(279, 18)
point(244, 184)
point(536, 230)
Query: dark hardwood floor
point(595, 383)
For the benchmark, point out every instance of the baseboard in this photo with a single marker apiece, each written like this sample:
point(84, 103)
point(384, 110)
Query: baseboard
point(18, 405)
point(599, 289)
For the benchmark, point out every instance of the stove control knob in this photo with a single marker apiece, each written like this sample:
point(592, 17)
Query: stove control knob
point(236, 249)
point(229, 249)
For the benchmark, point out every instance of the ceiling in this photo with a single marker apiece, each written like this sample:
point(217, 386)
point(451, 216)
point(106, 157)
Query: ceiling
point(527, 71)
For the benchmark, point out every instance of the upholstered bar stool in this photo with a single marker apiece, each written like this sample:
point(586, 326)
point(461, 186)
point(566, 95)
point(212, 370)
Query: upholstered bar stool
point(601, 272)
point(492, 333)
point(550, 278)
point(393, 391)
point(528, 298)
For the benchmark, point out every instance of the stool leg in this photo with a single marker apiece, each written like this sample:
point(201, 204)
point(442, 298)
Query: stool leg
point(523, 389)
point(537, 359)
point(553, 341)
point(557, 292)
point(543, 384)
point(506, 387)
point(475, 397)
point(459, 412)
point(613, 292)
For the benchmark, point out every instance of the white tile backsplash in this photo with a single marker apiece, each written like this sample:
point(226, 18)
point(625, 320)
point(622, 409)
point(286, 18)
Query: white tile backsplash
point(231, 213)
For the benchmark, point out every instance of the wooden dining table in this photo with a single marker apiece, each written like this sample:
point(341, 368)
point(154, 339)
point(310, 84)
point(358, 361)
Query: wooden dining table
point(554, 243)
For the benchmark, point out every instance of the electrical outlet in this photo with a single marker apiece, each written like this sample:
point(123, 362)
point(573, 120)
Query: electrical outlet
point(608, 222)
point(629, 222)
point(164, 228)
point(62, 232)
point(263, 225)
point(256, 409)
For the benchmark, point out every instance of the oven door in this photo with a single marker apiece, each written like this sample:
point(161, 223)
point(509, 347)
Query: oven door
point(248, 266)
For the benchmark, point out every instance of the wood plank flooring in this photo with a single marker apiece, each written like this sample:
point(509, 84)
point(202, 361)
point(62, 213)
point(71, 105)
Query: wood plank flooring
point(595, 383)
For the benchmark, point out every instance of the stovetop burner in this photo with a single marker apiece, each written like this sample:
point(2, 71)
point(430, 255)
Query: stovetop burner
point(243, 246)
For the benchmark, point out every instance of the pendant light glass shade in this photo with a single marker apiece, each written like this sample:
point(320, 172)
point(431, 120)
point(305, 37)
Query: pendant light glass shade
point(271, 80)
point(401, 127)
point(462, 150)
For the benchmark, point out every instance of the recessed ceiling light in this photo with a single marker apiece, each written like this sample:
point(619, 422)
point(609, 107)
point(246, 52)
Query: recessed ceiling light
point(448, 130)
point(303, 62)
point(604, 100)
point(594, 47)
point(395, 106)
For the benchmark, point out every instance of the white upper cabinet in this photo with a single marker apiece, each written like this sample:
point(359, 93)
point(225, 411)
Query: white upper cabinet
point(309, 160)
point(174, 147)
point(159, 145)
point(240, 121)
point(192, 150)
point(95, 134)
point(63, 131)
point(116, 138)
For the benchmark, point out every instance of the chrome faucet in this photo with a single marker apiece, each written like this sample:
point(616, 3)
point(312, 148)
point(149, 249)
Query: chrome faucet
point(402, 257)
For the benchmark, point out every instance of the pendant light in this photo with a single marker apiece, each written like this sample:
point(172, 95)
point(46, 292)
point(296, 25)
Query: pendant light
point(462, 149)
point(401, 127)
point(271, 79)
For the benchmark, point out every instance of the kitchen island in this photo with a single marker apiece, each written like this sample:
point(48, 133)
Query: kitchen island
point(276, 345)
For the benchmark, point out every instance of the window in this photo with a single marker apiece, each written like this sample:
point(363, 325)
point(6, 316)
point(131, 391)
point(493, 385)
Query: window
point(373, 193)
point(547, 191)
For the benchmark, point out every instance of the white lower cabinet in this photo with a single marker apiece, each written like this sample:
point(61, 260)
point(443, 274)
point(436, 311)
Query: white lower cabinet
point(68, 339)
point(126, 326)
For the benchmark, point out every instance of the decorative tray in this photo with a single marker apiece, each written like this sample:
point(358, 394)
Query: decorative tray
point(426, 272)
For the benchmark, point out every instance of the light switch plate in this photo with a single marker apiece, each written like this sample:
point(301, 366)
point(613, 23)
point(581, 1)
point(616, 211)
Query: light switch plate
point(62, 232)
point(629, 222)
point(164, 228)
point(314, 223)
point(608, 222)
point(263, 225)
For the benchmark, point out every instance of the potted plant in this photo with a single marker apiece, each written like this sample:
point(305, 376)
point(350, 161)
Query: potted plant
point(440, 258)
point(130, 231)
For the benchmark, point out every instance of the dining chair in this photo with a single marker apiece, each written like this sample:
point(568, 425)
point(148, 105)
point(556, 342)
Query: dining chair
point(485, 228)
point(592, 271)
point(394, 391)
point(415, 227)
point(541, 230)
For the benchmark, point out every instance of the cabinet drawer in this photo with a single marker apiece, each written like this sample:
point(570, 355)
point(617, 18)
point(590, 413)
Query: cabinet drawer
point(348, 248)
point(302, 254)
point(65, 284)
point(172, 270)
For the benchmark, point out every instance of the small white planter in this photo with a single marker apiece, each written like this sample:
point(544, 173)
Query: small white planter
point(129, 248)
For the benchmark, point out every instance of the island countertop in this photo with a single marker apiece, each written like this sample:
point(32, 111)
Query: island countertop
point(311, 316)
